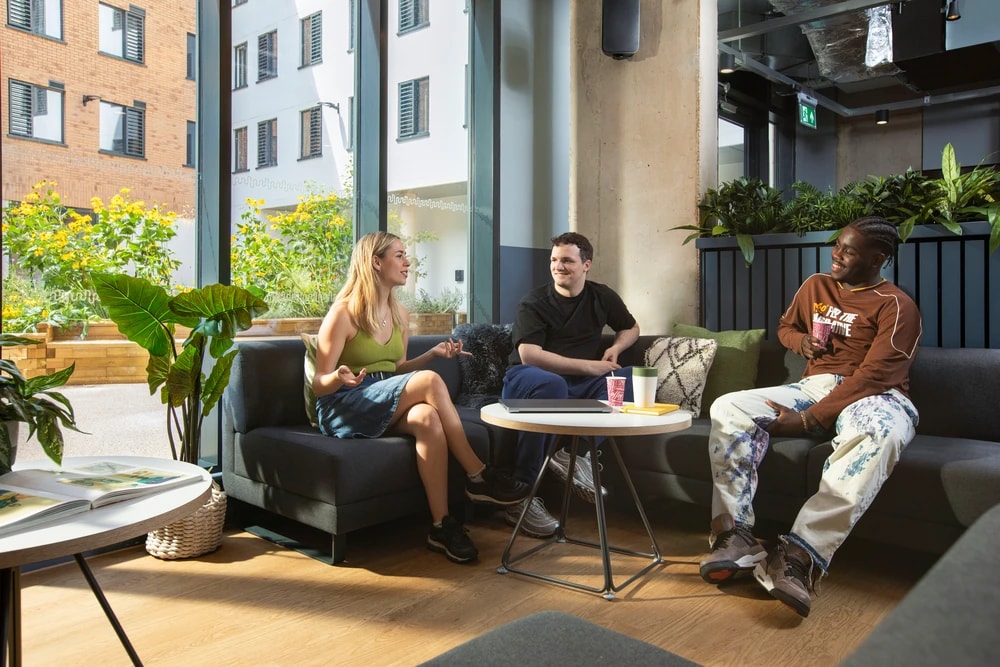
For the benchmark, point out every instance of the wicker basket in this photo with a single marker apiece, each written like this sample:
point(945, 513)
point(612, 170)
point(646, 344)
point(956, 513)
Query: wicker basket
point(195, 535)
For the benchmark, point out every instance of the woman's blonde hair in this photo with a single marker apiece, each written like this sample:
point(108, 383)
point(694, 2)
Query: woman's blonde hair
point(361, 289)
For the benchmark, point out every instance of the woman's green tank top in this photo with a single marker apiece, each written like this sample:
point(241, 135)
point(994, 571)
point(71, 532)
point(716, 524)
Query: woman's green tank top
point(363, 351)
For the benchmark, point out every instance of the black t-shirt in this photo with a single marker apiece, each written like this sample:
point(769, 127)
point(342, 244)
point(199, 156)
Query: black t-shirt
point(569, 326)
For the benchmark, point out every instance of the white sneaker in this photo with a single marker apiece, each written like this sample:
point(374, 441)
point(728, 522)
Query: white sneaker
point(583, 479)
point(537, 522)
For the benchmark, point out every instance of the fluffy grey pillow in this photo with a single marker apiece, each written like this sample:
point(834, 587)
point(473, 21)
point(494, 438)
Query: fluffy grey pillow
point(482, 373)
point(682, 366)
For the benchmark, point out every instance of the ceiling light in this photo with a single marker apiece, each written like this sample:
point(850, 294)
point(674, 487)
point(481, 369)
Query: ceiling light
point(952, 14)
point(727, 63)
point(881, 116)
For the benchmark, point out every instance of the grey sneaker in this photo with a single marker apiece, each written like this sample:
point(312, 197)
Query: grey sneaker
point(583, 478)
point(734, 550)
point(787, 578)
point(537, 522)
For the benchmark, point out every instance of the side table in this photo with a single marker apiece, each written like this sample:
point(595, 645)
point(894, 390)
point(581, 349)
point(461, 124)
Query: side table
point(590, 427)
point(86, 531)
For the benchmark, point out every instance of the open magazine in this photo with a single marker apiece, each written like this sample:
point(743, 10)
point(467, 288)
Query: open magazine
point(31, 497)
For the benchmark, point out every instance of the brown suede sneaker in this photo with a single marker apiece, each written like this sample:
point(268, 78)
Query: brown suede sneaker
point(787, 578)
point(734, 550)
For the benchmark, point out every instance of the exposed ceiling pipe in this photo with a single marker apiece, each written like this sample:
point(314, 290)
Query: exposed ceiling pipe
point(807, 15)
point(848, 112)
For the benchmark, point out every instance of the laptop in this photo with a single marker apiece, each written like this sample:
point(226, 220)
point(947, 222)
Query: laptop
point(555, 405)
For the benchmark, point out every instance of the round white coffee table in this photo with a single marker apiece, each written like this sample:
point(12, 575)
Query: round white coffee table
point(94, 529)
point(591, 427)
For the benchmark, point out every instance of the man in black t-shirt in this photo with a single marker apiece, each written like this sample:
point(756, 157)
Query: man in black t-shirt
point(558, 354)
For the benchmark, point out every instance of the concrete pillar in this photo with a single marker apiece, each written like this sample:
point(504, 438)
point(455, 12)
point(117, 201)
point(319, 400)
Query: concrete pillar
point(643, 148)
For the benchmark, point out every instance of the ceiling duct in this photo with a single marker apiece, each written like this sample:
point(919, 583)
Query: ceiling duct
point(849, 47)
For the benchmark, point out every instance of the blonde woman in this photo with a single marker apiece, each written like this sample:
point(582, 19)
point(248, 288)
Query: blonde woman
point(366, 387)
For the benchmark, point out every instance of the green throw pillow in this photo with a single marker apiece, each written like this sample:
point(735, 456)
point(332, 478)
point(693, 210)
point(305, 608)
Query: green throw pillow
point(735, 365)
point(310, 371)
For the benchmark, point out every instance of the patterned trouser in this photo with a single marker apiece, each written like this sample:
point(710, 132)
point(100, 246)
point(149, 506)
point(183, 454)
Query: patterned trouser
point(871, 434)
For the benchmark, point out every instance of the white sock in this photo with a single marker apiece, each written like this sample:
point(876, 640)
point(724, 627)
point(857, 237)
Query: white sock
point(477, 476)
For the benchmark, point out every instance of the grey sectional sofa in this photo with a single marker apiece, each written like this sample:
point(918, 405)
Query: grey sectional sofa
point(273, 459)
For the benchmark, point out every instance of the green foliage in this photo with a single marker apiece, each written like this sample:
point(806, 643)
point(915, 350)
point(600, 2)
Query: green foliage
point(33, 402)
point(148, 316)
point(448, 301)
point(298, 258)
point(745, 207)
point(52, 250)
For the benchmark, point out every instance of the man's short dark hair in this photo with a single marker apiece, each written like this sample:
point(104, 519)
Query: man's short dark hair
point(881, 233)
point(579, 240)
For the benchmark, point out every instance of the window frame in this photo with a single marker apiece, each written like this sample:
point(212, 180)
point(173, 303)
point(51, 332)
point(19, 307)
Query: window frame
point(311, 38)
point(414, 103)
point(267, 143)
point(34, 24)
point(241, 155)
point(32, 98)
point(133, 48)
point(133, 115)
point(413, 15)
point(267, 59)
point(240, 69)
point(311, 133)
point(192, 45)
point(190, 144)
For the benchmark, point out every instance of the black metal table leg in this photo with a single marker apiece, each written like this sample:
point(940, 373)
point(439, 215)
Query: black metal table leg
point(99, 594)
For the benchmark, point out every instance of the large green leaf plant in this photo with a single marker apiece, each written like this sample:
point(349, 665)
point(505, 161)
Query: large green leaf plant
point(31, 401)
point(148, 316)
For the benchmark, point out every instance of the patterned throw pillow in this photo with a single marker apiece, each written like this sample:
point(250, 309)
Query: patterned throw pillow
point(482, 373)
point(682, 366)
point(310, 369)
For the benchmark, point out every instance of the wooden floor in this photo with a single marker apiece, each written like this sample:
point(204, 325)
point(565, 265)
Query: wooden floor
point(396, 603)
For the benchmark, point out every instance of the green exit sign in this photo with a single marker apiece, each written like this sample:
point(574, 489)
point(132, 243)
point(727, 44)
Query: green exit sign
point(807, 115)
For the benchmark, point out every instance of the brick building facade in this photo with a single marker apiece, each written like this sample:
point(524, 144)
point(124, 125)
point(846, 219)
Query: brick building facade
point(105, 61)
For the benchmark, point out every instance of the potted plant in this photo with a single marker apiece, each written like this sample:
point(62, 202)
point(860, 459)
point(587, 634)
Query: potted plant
point(148, 316)
point(32, 402)
point(432, 315)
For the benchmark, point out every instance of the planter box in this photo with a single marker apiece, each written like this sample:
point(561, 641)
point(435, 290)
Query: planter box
point(287, 326)
point(953, 279)
point(431, 323)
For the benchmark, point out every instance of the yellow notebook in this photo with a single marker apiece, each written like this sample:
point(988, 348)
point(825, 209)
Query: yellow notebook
point(655, 409)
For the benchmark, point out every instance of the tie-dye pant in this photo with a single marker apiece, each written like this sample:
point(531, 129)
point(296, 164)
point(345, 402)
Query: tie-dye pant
point(870, 435)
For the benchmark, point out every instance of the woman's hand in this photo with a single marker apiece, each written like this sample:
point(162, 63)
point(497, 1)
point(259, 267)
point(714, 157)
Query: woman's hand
point(348, 378)
point(449, 349)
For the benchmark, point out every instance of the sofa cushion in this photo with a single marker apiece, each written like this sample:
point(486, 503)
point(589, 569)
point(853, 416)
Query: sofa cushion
point(682, 366)
point(482, 372)
point(735, 365)
point(309, 367)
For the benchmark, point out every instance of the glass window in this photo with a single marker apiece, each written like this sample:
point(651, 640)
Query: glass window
point(190, 56)
point(240, 65)
point(414, 99)
point(240, 149)
point(267, 55)
point(412, 14)
point(350, 24)
point(427, 180)
point(42, 17)
point(350, 124)
point(123, 129)
point(267, 143)
point(189, 144)
point(35, 112)
point(312, 133)
point(731, 150)
point(122, 33)
point(312, 39)
point(237, 3)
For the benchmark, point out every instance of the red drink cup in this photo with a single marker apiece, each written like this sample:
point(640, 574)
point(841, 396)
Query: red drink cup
point(821, 330)
point(616, 390)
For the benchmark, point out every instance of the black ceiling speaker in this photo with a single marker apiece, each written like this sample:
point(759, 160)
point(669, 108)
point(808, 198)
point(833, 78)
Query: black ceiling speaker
point(620, 28)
